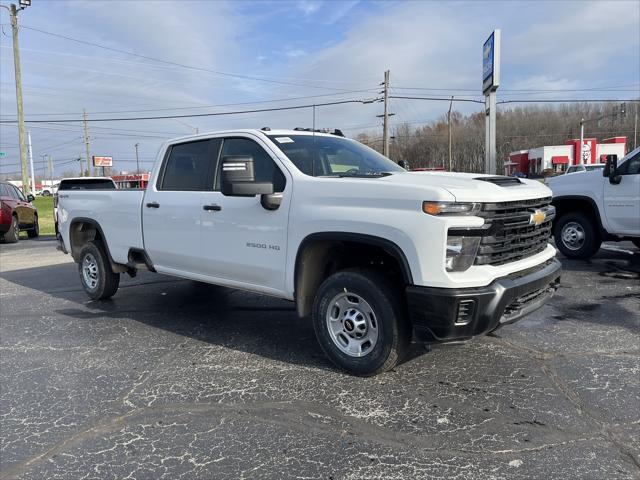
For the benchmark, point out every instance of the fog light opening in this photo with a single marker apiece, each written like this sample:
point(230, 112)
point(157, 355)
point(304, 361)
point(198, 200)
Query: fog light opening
point(466, 309)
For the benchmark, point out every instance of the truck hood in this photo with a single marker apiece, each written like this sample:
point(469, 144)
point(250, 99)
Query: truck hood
point(469, 187)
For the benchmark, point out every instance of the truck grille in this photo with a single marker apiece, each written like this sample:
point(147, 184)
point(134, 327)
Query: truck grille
point(511, 235)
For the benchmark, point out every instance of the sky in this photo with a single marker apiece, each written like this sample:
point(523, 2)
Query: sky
point(253, 55)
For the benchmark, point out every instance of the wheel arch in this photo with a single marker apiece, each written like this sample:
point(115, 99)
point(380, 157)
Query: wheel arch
point(83, 230)
point(321, 254)
point(578, 203)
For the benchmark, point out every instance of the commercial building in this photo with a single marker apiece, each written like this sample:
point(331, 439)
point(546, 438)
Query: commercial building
point(558, 157)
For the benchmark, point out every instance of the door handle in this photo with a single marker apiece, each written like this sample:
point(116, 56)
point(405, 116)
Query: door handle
point(214, 207)
point(153, 205)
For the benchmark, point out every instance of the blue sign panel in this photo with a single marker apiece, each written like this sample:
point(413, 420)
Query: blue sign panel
point(487, 58)
point(491, 62)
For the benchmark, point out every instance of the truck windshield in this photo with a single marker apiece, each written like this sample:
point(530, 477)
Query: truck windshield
point(323, 156)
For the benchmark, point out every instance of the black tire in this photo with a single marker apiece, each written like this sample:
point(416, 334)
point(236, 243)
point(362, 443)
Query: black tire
point(576, 236)
point(46, 193)
point(387, 313)
point(13, 234)
point(636, 242)
point(104, 282)
point(35, 230)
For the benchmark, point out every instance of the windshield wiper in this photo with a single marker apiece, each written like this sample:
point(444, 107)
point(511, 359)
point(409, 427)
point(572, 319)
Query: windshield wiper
point(359, 175)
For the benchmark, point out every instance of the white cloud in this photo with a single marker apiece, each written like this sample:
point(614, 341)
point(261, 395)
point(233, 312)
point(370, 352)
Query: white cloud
point(295, 53)
point(308, 7)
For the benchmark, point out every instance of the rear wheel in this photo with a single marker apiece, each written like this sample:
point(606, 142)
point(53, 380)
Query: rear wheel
point(360, 322)
point(576, 236)
point(13, 234)
point(35, 230)
point(96, 276)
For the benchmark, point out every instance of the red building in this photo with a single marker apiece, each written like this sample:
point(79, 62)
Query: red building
point(558, 157)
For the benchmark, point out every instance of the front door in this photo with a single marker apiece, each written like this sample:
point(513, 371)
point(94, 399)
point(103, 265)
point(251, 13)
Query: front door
point(172, 207)
point(23, 209)
point(622, 200)
point(241, 240)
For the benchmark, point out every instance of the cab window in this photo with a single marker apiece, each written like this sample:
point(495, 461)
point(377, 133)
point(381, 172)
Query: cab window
point(265, 169)
point(631, 166)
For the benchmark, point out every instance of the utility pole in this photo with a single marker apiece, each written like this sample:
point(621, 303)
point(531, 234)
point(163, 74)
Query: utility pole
point(386, 115)
point(33, 176)
point(137, 160)
point(635, 129)
point(13, 12)
point(86, 141)
point(449, 122)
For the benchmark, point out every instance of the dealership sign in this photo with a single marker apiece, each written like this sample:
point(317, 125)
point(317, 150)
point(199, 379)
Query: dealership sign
point(491, 62)
point(102, 161)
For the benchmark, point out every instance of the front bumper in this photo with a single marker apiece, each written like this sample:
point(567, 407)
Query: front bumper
point(450, 314)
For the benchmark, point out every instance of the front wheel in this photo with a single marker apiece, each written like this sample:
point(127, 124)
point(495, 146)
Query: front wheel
point(576, 236)
point(360, 323)
point(96, 276)
point(35, 230)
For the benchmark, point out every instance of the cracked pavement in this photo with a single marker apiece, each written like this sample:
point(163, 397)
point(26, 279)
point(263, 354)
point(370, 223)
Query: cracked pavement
point(173, 379)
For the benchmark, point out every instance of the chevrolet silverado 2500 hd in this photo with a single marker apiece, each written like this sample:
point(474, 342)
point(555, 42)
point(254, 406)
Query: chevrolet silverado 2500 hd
point(369, 251)
point(596, 206)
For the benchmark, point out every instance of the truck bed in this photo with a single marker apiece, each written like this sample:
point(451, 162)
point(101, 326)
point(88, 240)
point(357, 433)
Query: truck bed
point(118, 212)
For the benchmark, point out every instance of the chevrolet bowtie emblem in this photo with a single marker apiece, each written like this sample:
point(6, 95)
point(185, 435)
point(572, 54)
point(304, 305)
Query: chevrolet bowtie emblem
point(537, 217)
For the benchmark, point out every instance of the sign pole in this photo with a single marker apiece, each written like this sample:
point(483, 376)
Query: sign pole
point(490, 84)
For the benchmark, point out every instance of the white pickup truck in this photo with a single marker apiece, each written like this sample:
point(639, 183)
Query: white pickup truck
point(597, 205)
point(369, 251)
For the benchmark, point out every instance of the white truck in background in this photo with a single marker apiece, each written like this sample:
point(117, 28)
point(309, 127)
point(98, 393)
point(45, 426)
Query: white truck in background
point(596, 206)
point(371, 252)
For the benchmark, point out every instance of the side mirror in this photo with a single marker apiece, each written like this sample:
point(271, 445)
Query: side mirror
point(30, 198)
point(404, 164)
point(237, 178)
point(611, 170)
point(271, 201)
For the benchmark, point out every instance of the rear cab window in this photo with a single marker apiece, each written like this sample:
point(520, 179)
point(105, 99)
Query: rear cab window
point(87, 184)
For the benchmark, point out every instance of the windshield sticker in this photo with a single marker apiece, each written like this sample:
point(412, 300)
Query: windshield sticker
point(284, 140)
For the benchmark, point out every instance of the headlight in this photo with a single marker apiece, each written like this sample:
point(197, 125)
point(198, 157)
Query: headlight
point(450, 208)
point(461, 252)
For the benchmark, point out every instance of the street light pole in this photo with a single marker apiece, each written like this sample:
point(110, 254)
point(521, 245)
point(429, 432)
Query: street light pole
point(576, 162)
point(13, 12)
point(137, 159)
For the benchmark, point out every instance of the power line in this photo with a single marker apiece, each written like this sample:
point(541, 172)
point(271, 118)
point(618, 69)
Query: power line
point(595, 89)
point(257, 102)
point(193, 115)
point(177, 64)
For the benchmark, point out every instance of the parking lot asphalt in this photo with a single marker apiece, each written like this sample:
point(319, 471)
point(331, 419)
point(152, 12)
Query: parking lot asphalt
point(172, 379)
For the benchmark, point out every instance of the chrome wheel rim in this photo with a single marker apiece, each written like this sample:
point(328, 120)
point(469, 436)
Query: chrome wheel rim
point(352, 324)
point(573, 236)
point(16, 227)
point(90, 271)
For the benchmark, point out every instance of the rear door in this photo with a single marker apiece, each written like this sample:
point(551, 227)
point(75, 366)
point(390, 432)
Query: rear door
point(241, 240)
point(622, 200)
point(172, 207)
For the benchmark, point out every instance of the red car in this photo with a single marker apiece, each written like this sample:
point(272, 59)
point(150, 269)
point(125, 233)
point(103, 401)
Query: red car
point(16, 213)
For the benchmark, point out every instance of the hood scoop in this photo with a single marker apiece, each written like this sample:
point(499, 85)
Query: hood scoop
point(501, 181)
